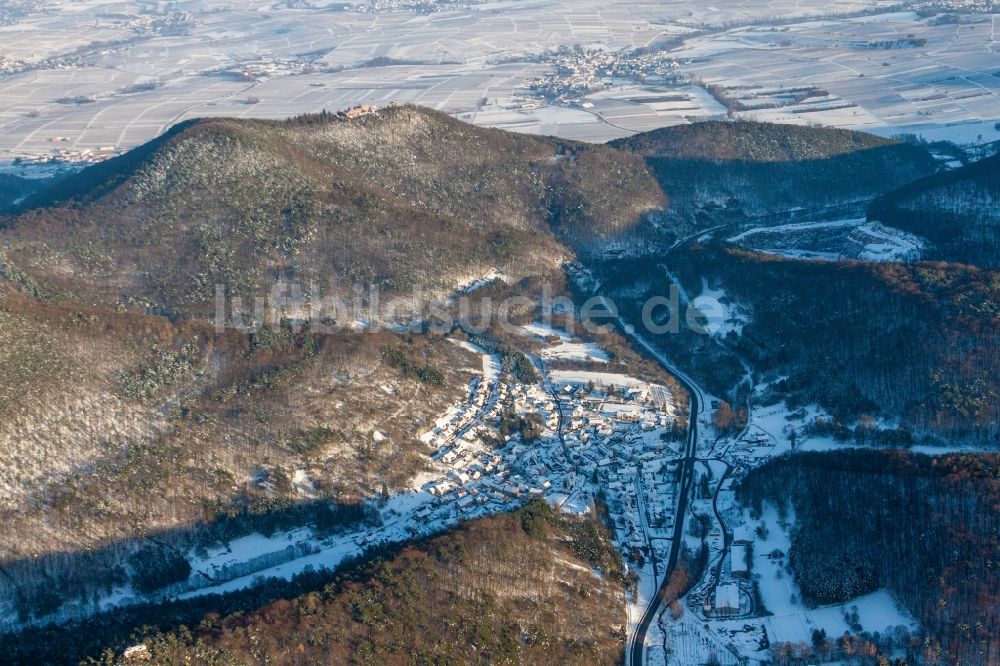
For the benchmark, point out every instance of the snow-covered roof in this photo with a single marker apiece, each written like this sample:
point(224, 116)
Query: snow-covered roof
point(727, 597)
point(738, 561)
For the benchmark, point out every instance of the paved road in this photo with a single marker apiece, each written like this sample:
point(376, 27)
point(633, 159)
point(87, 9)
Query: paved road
point(569, 455)
point(637, 641)
point(727, 536)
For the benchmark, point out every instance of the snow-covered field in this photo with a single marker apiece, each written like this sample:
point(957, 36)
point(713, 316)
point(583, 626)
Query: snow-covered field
point(491, 369)
point(565, 348)
point(789, 619)
point(888, 73)
point(833, 240)
point(599, 378)
point(722, 313)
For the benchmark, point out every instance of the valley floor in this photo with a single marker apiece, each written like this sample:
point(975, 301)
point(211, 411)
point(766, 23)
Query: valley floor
point(601, 442)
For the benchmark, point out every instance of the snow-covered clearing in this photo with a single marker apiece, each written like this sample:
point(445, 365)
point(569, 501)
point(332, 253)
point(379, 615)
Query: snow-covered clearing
point(320, 552)
point(832, 240)
point(789, 228)
point(566, 348)
point(790, 620)
point(722, 314)
point(598, 378)
point(469, 285)
point(491, 363)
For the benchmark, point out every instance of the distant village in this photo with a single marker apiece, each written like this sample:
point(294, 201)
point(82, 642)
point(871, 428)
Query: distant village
point(139, 25)
point(578, 71)
point(63, 158)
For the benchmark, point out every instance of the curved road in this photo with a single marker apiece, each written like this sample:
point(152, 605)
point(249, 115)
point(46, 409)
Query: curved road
point(637, 641)
point(727, 537)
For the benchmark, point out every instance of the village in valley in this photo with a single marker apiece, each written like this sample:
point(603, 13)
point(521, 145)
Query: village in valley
point(647, 456)
point(590, 441)
point(581, 435)
point(593, 442)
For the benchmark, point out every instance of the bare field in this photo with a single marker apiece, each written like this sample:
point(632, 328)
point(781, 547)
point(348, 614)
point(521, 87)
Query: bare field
point(82, 81)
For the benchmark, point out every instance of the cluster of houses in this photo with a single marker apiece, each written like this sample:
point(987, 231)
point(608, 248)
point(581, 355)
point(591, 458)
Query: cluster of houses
point(640, 497)
point(266, 69)
point(66, 159)
point(596, 440)
point(479, 466)
point(600, 437)
point(12, 65)
point(579, 71)
point(752, 450)
point(419, 6)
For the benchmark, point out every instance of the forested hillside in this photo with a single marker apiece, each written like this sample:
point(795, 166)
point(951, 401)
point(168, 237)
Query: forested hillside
point(718, 172)
point(115, 426)
point(408, 199)
point(133, 431)
point(958, 211)
point(529, 587)
point(402, 199)
point(13, 189)
point(916, 342)
point(925, 528)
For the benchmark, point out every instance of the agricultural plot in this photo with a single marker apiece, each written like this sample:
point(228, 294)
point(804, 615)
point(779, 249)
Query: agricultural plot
point(81, 82)
point(887, 74)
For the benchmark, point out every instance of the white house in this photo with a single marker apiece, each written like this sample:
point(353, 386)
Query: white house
point(727, 599)
point(440, 488)
point(738, 560)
